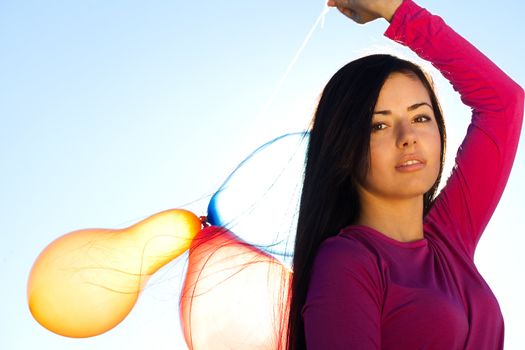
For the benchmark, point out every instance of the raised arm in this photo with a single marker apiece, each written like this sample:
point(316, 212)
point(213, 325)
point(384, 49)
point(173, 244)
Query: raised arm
point(485, 158)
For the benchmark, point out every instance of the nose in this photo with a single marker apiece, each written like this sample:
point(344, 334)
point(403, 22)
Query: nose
point(406, 135)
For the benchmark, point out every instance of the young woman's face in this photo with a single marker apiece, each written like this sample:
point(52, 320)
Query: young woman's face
point(405, 144)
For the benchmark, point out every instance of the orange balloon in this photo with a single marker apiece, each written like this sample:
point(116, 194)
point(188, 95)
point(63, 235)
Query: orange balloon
point(234, 296)
point(87, 281)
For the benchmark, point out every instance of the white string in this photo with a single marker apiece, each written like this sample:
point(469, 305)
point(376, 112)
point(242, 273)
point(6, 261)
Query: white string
point(319, 21)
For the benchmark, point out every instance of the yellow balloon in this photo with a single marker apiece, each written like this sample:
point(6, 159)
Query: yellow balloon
point(87, 281)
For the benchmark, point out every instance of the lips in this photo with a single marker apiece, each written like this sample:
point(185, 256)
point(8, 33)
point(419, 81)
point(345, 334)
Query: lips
point(411, 161)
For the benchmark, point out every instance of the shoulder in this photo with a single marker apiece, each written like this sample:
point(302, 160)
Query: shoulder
point(345, 267)
point(346, 254)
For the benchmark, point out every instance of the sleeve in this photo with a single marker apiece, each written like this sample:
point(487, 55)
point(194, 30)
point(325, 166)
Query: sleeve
point(343, 305)
point(484, 159)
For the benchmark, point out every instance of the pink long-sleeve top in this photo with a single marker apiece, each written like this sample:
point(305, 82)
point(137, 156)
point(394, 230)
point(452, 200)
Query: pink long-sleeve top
point(368, 291)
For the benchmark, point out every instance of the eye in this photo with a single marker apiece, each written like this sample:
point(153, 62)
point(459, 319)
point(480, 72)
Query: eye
point(378, 126)
point(422, 118)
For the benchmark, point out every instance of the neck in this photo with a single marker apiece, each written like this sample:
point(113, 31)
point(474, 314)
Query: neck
point(399, 219)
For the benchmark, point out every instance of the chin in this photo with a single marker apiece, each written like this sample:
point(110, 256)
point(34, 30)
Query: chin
point(409, 191)
point(396, 190)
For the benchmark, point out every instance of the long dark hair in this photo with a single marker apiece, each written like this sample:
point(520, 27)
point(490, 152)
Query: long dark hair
point(337, 157)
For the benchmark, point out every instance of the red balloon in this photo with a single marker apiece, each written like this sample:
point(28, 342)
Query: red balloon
point(235, 296)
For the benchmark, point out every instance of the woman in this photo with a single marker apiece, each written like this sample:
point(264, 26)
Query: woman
point(379, 262)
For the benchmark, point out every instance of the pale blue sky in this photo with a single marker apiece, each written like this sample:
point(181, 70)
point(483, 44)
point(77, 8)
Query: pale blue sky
point(114, 110)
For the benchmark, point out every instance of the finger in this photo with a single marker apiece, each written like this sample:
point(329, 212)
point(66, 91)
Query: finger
point(336, 3)
point(346, 11)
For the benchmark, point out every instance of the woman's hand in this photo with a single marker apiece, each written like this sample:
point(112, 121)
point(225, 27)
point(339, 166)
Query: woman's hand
point(363, 11)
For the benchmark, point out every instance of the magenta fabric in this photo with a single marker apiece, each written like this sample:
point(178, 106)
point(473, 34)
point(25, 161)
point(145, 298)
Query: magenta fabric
point(369, 291)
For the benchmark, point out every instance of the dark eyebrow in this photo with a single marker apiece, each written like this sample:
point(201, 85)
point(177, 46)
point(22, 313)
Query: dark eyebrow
point(409, 109)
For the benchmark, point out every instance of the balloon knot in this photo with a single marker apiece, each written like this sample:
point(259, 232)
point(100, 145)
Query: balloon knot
point(204, 221)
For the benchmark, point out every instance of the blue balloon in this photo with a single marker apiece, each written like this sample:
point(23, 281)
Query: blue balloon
point(259, 200)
